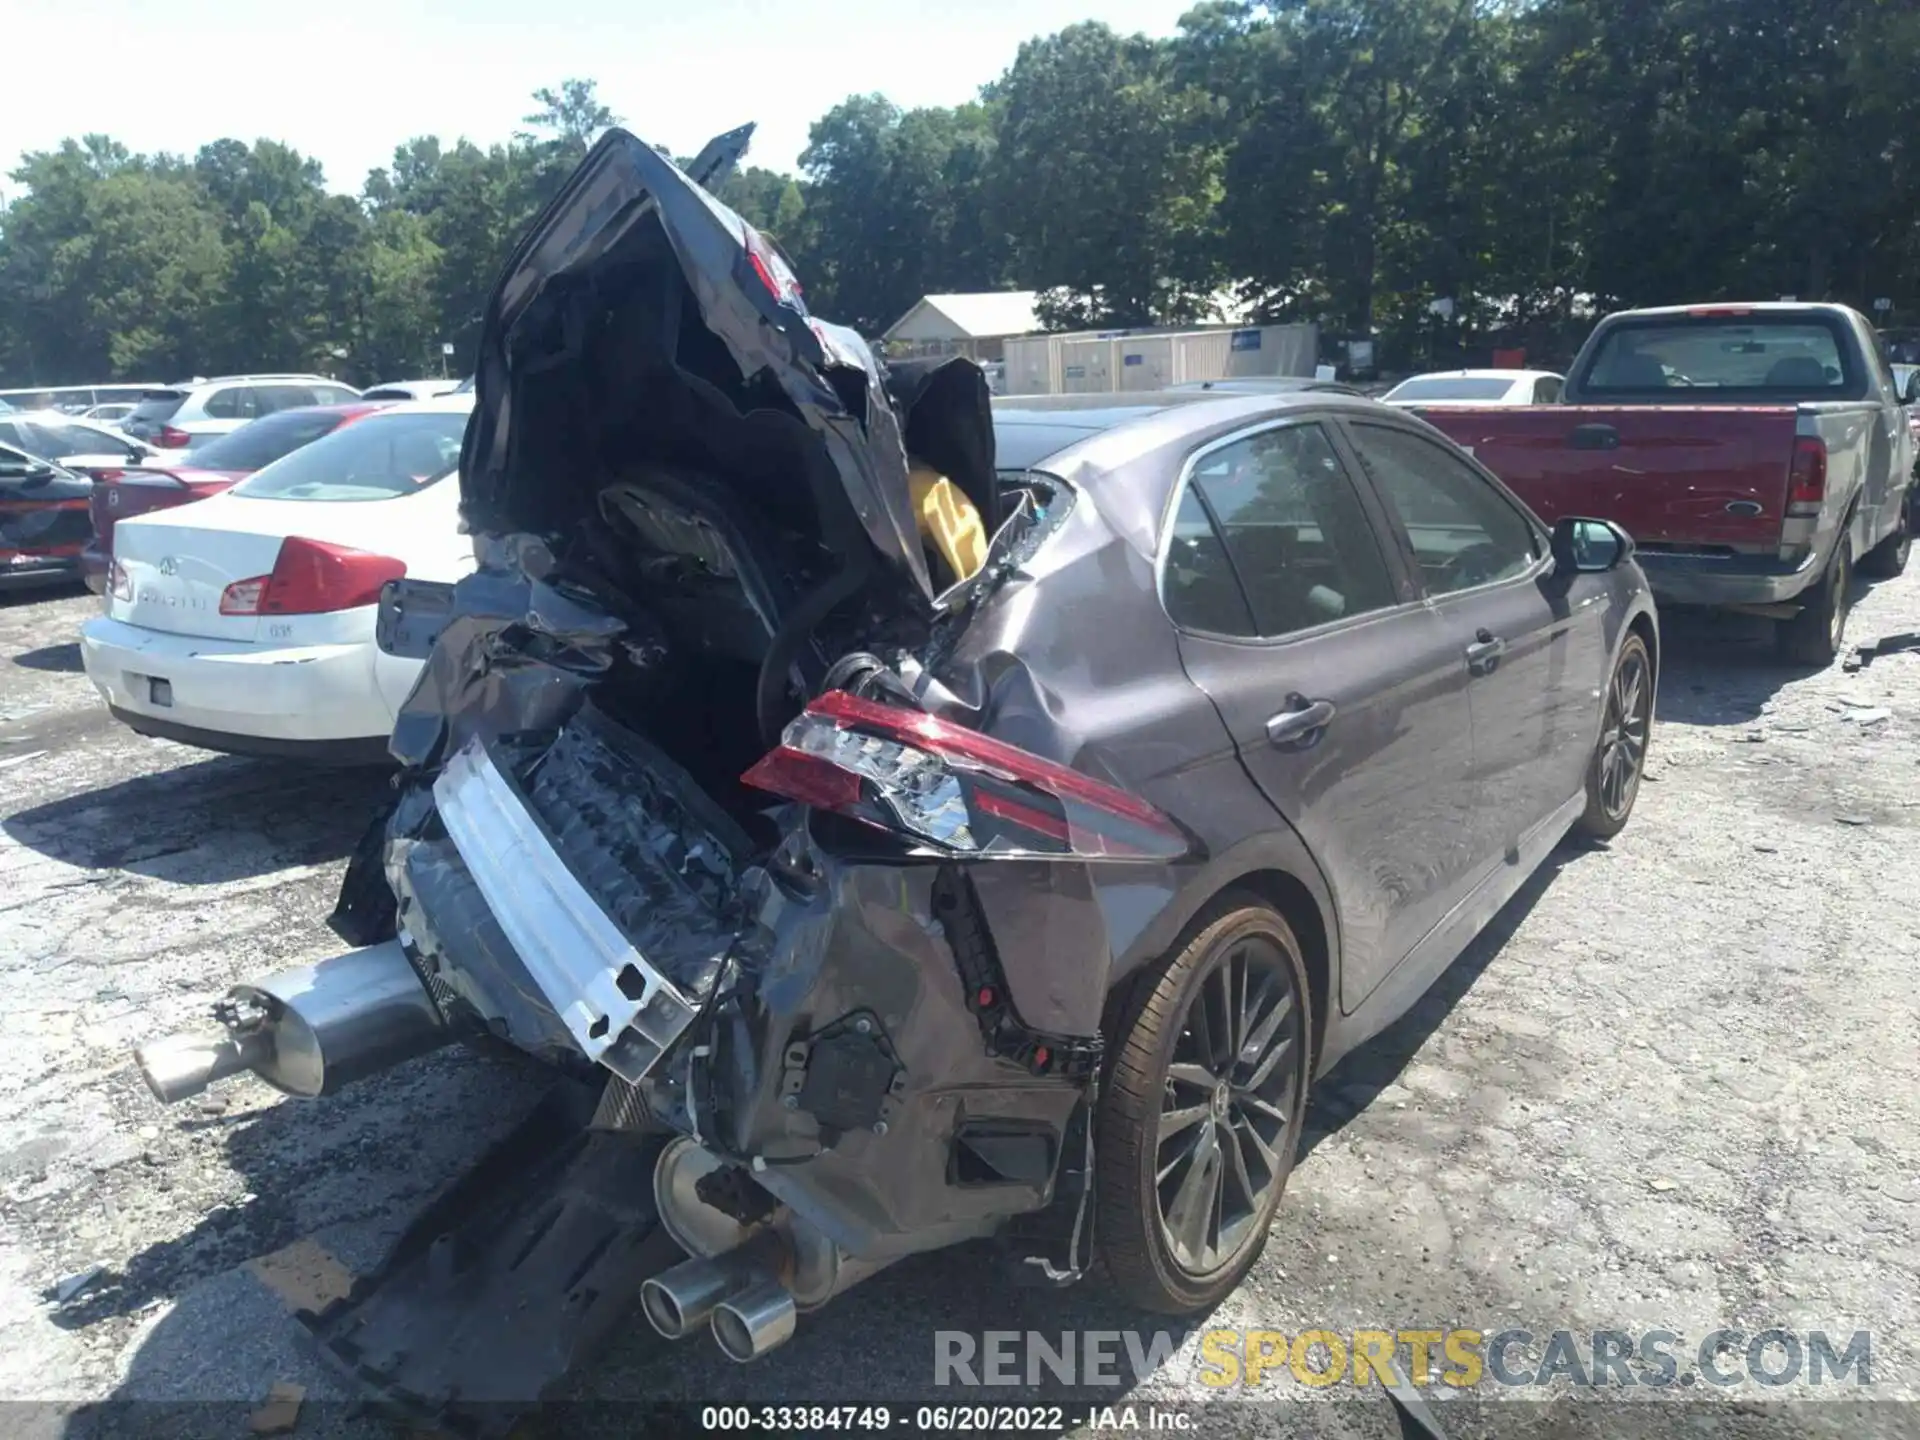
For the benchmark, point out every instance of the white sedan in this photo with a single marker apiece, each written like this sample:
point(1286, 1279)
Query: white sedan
point(82, 445)
point(244, 622)
point(1477, 387)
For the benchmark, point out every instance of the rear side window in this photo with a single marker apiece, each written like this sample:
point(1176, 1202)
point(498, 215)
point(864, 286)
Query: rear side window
point(1271, 538)
point(271, 399)
point(380, 458)
point(1751, 355)
point(232, 404)
point(255, 446)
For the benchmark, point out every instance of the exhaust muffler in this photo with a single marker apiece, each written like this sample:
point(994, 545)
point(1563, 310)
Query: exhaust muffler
point(306, 1031)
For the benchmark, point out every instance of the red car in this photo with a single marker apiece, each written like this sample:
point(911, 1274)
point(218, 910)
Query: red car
point(207, 470)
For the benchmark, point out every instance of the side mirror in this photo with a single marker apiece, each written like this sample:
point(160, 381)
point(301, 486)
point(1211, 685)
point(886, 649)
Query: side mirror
point(1912, 397)
point(1589, 547)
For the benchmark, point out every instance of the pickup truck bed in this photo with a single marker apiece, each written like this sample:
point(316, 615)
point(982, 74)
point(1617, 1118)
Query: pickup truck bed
point(1756, 482)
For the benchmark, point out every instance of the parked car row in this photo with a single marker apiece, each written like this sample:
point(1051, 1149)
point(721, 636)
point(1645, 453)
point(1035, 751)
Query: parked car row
point(243, 620)
point(179, 417)
point(905, 816)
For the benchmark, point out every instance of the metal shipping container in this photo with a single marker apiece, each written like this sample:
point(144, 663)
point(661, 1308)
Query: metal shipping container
point(1098, 362)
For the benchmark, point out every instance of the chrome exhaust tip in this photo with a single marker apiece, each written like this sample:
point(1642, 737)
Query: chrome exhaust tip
point(306, 1031)
point(756, 1320)
point(182, 1066)
point(679, 1301)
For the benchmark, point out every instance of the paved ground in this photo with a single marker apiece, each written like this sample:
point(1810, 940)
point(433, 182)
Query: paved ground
point(1674, 1087)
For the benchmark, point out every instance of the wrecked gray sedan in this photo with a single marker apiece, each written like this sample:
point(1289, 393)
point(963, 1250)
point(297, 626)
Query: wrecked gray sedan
point(899, 821)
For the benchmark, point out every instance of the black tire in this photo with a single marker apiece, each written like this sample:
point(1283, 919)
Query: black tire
point(1816, 634)
point(1620, 754)
point(1887, 559)
point(1228, 1192)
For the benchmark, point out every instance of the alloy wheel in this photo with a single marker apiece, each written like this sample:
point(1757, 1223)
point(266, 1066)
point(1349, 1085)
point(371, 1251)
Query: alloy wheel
point(1228, 1106)
point(1623, 734)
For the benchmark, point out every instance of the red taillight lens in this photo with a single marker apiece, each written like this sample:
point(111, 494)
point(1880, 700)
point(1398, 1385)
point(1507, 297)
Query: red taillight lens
point(118, 585)
point(243, 597)
point(311, 577)
point(955, 790)
point(771, 269)
point(172, 439)
point(1807, 480)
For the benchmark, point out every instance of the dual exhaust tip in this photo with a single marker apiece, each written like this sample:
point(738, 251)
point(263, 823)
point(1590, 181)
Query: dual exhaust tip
point(738, 1295)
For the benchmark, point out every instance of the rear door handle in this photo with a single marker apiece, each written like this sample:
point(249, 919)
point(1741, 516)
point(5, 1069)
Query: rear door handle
point(1483, 656)
point(1300, 724)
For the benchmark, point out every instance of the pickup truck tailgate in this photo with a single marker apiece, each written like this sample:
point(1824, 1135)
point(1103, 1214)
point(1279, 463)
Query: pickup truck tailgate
point(1710, 477)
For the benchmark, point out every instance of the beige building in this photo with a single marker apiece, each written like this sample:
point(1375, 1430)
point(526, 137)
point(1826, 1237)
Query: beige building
point(976, 326)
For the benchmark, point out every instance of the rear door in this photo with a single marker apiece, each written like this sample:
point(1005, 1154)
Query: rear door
point(1675, 477)
point(1534, 655)
point(1345, 696)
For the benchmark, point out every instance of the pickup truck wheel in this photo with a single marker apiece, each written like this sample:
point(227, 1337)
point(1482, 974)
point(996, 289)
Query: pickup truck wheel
point(1620, 755)
point(1201, 1118)
point(1814, 636)
point(1887, 559)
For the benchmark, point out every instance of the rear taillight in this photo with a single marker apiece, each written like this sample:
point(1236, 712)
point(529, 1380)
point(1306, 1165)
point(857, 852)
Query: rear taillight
point(955, 790)
point(311, 577)
point(118, 585)
point(172, 439)
point(771, 269)
point(1807, 480)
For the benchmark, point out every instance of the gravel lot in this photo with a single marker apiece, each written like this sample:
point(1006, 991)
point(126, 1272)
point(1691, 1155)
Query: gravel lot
point(1675, 1086)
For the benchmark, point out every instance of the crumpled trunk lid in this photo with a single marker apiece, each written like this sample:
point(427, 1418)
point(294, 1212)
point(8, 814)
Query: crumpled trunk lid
point(745, 297)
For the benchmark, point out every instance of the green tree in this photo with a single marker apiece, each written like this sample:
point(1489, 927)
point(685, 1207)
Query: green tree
point(1107, 175)
point(892, 209)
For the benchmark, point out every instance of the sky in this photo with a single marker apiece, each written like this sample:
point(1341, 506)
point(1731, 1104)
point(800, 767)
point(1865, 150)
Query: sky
point(344, 81)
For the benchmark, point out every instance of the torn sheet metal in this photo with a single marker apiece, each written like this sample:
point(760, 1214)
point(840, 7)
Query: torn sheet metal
point(629, 209)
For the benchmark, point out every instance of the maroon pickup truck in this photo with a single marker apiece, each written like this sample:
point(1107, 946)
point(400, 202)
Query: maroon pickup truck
point(1758, 454)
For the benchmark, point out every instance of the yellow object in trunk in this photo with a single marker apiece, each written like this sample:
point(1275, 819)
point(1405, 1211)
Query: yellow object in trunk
point(949, 521)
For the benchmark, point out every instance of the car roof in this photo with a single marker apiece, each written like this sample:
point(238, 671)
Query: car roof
point(46, 414)
point(1482, 375)
point(436, 404)
point(1035, 429)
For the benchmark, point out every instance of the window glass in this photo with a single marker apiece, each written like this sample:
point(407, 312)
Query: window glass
point(1546, 391)
point(1746, 354)
point(156, 407)
point(59, 440)
point(333, 395)
point(1295, 533)
point(235, 404)
point(274, 398)
point(254, 446)
point(1883, 362)
point(1464, 532)
point(1450, 387)
point(10, 435)
point(379, 458)
point(1200, 588)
